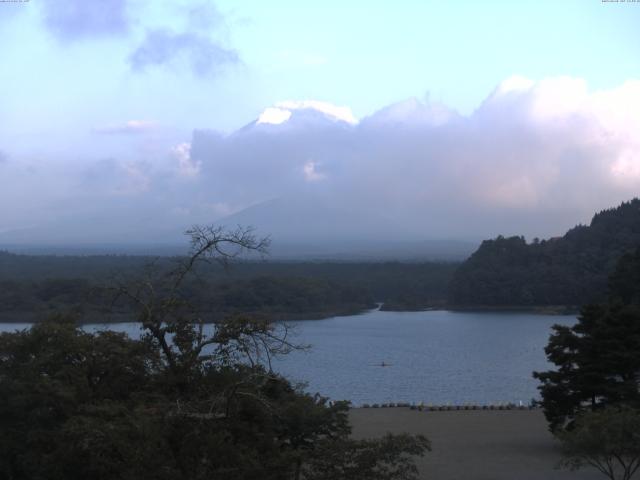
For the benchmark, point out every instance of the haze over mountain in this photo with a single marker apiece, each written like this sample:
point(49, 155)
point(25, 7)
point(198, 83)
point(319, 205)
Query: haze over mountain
point(534, 158)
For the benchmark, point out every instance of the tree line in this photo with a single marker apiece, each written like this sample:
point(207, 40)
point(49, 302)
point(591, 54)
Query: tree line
point(569, 270)
point(37, 286)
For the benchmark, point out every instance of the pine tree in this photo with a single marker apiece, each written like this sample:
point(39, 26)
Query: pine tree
point(598, 359)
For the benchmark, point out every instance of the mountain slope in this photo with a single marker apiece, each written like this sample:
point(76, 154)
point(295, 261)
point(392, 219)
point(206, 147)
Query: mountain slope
point(319, 226)
point(569, 270)
point(301, 115)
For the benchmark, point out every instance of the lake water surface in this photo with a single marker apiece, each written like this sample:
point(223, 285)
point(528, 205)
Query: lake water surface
point(435, 357)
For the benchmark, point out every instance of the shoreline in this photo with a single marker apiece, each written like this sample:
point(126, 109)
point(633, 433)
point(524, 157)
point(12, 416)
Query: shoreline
point(539, 309)
point(130, 317)
point(97, 318)
point(429, 407)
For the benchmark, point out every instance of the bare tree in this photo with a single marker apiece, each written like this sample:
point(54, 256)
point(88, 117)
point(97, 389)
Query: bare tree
point(171, 321)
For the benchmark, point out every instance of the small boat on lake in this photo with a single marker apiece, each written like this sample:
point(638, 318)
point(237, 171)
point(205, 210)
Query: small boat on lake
point(382, 364)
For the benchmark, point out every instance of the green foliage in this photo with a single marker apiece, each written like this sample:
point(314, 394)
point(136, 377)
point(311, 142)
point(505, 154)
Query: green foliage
point(56, 380)
point(35, 286)
point(387, 458)
point(598, 359)
point(102, 406)
point(280, 296)
point(177, 404)
point(569, 270)
point(608, 440)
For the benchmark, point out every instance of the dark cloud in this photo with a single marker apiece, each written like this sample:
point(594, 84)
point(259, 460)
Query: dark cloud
point(75, 19)
point(182, 50)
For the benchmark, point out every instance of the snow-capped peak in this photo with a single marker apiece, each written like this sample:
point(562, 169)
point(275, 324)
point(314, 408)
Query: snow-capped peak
point(274, 116)
point(282, 111)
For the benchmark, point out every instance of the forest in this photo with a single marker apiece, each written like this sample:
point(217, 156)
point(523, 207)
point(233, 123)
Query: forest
point(570, 270)
point(31, 287)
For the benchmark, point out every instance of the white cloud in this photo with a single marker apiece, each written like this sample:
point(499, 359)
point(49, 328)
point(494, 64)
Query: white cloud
point(130, 127)
point(515, 83)
point(186, 166)
point(311, 174)
point(559, 97)
point(535, 157)
point(550, 149)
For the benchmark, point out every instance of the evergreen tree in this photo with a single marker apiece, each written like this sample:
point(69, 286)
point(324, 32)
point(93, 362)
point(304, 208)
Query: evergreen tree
point(570, 270)
point(598, 359)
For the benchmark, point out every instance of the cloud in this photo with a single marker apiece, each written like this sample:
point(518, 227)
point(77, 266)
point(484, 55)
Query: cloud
point(109, 177)
point(131, 127)
point(187, 167)
point(311, 173)
point(535, 158)
point(72, 20)
point(204, 16)
point(195, 51)
point(4, 158)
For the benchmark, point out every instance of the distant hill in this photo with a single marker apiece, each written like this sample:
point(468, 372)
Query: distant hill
point(32, 287)
point(568, 270)
point(313, 227)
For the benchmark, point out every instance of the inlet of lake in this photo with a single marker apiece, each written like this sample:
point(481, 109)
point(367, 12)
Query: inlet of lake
point(435, 357)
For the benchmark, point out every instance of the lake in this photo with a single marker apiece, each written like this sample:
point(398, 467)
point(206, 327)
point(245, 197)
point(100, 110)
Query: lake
point(437, 357)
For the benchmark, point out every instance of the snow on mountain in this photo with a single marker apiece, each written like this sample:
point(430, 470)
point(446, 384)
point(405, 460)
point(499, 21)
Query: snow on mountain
point(283, 111)
point(302, 114)
point(309, 115)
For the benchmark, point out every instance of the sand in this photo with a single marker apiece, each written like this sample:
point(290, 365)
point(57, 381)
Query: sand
point(475, 444)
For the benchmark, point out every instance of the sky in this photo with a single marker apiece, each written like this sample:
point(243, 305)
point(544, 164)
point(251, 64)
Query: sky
point(103, 104)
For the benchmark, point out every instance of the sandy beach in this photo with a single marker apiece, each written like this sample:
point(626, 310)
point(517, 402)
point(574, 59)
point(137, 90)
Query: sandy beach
point(475, 444)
